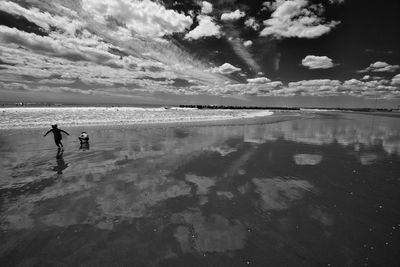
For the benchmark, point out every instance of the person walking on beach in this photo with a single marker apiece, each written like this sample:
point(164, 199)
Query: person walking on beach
point(57, 135)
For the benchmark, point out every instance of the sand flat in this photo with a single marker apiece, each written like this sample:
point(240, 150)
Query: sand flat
point(169, 195)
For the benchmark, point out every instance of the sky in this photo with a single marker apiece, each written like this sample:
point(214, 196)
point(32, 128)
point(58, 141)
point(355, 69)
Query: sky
point(322, 53)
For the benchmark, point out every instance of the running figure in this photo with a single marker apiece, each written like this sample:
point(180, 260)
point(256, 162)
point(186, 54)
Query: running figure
point(57, 135)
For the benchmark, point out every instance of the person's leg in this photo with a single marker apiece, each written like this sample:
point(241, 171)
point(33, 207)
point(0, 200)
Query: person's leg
point(61, 144)
point(56, 142)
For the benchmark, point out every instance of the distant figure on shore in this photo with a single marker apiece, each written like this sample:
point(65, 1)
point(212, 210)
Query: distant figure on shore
point(84, 139)
point(57, 135)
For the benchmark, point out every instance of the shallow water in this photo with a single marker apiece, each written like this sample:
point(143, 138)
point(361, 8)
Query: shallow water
point(317, 190)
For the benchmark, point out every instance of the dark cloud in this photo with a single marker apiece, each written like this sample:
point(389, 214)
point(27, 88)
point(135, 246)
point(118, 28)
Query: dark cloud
point(21, 24)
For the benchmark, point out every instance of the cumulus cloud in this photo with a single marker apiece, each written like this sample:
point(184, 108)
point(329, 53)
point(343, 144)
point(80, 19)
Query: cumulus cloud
point(396, 80)
point(252, 23)
point(225, 68)
point(247, 43)
point(206, 28)
point(259, 80)
point(384, 89)
point(296, 18)
point(317, 62)
point(206, 7)
point(234, 15)
point(271, 6)
point(380, 66)
point(146, 18)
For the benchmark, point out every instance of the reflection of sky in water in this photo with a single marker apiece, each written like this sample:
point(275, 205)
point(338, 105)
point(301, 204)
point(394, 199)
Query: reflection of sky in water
point(323, 190)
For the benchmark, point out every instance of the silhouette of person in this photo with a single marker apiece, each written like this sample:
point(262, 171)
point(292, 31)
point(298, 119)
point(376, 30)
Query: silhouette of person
point(61, 165)
point(57, 135)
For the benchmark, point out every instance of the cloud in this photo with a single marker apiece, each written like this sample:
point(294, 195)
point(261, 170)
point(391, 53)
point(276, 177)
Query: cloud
point(317, 62)
point(225, 68)
point(234, 15)
point(380, 66)
point(271, 6)
point(396, 80)
point(296, 19)
point(318, 87)
point(206, 28)
point(259, 80)
point(247, 43)
point(69, 23)
point(51, 46)
point(145, 18)
point(206, 7)
point(252, 23)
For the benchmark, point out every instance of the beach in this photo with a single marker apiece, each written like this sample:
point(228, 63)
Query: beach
point(201, 188)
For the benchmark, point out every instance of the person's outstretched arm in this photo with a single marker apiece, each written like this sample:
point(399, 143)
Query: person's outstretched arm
point(47, 132)
point(64, 132)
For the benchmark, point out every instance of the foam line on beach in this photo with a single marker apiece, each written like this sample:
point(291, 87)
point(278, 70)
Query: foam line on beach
point(40, 117)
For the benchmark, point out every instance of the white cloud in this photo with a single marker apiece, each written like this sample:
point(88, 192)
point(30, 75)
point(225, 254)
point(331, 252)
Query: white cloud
point(259, 80)
point(206, 28)
point(317, 62)
point(145, 17)
point(247, 43)
point(225, 68)
point(44, 19)
point(272, 6)
point(234, 15)
point(380, 66)
point(366, 77)
point(396, 80)
point(252, 23)
point(206, 7)
point(296, 19)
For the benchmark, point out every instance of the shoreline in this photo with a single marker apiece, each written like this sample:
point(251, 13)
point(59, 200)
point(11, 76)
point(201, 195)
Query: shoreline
point(275, 118)
point(40, 118)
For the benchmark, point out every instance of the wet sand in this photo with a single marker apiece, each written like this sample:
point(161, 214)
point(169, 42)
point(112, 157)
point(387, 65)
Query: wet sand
point(319, 189)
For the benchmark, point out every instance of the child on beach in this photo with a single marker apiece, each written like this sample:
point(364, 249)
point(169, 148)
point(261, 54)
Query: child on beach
point(57, 135)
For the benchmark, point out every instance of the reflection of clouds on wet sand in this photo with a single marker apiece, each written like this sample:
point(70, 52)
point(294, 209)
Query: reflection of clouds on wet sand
point(222, 150)
point(323, 217)
point(132, 200)
point(279, 193)
point(307, 159)
point(123, 175)
point(225, 194)
point(96, 204)
point(213, 233)
point(347, 130)
point(202, 183)
point(368, 158)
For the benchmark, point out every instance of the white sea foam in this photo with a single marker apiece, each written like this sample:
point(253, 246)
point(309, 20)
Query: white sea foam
point(38, 117)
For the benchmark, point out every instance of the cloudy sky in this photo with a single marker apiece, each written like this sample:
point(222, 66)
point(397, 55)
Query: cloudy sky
point(284, 53)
